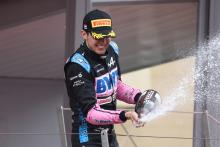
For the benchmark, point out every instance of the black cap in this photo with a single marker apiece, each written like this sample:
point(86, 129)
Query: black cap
point(99, 24)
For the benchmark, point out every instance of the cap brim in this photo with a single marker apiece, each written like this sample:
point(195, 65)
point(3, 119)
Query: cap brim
point(103, 33)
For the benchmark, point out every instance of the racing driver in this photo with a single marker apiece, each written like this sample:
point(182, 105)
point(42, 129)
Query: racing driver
point(93, 81)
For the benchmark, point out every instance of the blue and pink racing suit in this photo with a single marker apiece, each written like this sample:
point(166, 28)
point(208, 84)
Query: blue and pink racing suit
point(94, 84)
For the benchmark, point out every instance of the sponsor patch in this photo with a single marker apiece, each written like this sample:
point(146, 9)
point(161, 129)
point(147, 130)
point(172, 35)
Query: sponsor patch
point(103, 121)
point(83, 129)
point(78, 83)
point(77, 76)
point(104, 100)
point(106, 83)
point(99, 70)
point(101, 23)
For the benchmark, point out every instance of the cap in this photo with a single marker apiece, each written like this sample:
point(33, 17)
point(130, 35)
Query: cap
point(99, 24)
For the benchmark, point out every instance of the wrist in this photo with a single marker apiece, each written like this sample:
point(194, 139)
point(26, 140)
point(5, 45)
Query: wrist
point(137, 96)
point(122, 116)
point(128, 115)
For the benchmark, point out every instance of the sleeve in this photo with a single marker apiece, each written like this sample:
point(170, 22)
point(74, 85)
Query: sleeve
point(80, 87)
point(126, 93)
point(99, 116)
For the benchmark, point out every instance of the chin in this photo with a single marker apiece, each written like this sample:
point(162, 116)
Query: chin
point(101, 52)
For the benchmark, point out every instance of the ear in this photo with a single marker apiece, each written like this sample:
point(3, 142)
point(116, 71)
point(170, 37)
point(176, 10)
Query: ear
point(84, 34)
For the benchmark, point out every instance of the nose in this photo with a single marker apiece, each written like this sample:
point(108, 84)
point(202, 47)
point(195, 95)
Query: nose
point(105, 39)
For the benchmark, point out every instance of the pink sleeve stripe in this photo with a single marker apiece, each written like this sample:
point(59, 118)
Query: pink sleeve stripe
point(126, 93)
point(99, 116)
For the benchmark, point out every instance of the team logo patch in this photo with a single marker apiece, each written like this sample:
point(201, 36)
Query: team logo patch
point(112, 62)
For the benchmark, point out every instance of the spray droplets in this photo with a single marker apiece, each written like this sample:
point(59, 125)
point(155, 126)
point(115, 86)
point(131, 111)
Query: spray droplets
point(206, 80)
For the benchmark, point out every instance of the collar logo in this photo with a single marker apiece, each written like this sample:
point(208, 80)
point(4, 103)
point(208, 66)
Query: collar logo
point(112, 62)
point(101, 23)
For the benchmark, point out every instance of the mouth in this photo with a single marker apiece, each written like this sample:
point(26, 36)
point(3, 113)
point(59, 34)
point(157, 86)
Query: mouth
point(100, 46)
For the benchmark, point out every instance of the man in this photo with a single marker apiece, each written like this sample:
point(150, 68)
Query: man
point(93, 81)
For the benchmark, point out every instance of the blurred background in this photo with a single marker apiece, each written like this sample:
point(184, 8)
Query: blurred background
point(165, 45)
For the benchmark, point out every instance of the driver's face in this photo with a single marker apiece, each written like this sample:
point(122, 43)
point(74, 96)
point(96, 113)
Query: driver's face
point(99, 46)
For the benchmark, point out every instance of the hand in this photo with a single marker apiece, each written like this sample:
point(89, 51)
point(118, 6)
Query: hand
point(133, 116)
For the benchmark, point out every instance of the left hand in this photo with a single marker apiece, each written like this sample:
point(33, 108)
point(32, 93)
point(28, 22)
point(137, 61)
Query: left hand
point(133, 116)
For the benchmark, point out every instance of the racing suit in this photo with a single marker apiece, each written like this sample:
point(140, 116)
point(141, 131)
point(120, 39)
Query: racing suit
point(93, 84)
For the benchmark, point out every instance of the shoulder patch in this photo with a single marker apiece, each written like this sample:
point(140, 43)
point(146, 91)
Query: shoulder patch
point(115, 47)
point(79, 59)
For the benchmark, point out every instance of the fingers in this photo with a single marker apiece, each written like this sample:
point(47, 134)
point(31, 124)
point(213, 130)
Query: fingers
point(139, 124)
point(133, 116)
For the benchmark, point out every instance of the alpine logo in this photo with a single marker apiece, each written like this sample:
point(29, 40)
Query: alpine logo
point(112, 62)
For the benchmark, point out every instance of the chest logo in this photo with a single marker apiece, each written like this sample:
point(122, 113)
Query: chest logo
point(106, 83)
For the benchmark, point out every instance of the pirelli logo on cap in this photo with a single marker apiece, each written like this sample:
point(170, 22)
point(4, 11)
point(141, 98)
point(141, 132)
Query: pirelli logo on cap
point(101, 23)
